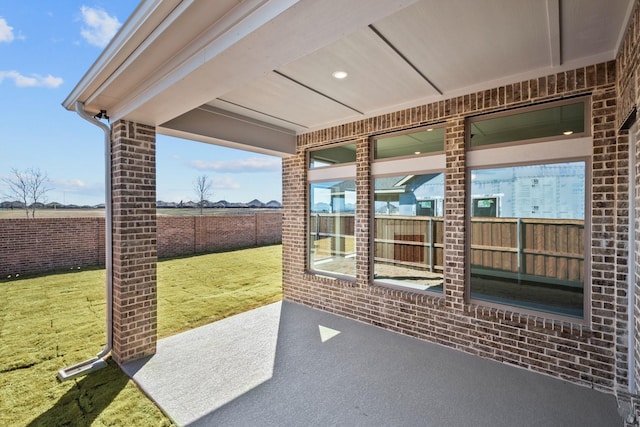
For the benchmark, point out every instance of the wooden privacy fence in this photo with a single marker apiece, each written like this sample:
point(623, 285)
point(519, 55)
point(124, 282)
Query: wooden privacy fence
point(549, 250)
point(412, 241)
point(541, 250)
point(332, 234)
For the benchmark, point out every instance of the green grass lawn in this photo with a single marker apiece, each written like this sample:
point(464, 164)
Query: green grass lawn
point(53, 321)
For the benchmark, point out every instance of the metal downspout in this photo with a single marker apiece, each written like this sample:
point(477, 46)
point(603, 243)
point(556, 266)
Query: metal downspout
point(98, 361)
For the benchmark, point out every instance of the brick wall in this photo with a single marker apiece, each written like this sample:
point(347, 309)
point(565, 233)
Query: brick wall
point(43, 244)
point(52, 244)
point(628, 61)
point(591, 355)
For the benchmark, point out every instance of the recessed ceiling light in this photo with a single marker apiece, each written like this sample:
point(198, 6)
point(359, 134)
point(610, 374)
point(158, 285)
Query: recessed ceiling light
point(429, 130)
point(339, 74)
point(567, 132)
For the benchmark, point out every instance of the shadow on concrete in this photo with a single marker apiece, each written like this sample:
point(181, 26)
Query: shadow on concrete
point(84, 402)
point(290, 365)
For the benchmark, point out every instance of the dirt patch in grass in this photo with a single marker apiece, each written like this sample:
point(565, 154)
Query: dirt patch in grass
point(50, 322)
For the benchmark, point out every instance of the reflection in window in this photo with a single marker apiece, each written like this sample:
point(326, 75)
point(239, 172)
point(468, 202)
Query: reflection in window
point(409, 231)
point(345, 153)
point(430, 140)
point(331, 227)
point(565, 120)
point(527, 236)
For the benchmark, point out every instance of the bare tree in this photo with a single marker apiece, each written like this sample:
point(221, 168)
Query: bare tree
point(202, 187)
point(29, 187)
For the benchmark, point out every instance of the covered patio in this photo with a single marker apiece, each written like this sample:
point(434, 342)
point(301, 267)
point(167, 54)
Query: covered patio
point(324, 85)
point(286, 364)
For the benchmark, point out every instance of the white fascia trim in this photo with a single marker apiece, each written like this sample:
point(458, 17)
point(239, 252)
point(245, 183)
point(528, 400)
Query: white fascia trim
point(242, 21)
point(157, 32)
point(116, 47)
point(221, 142)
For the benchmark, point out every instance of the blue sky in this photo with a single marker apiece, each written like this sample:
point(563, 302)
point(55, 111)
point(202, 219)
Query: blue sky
point(45, 49)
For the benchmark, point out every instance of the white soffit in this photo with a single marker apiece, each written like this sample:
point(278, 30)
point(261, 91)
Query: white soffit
point(280, 97)
point(126, 80)
point(271, 60)
point(460, 43)
point(592, 26)
point(377, 76)
point(275, 33)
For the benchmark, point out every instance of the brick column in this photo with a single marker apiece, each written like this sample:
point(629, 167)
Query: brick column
point(363, 226)
point(133, 174)
point(294, 227)
point(454, 215)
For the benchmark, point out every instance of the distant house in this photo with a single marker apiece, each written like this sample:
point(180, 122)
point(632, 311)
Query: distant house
point(273, 204)
point(255, 204)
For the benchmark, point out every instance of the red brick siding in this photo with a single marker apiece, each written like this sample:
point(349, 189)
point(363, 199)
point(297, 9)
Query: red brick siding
point(628, 61)
point(579, 353)
point(176, 236)
point(43, 244)
point(40, 245)
point(134, 240)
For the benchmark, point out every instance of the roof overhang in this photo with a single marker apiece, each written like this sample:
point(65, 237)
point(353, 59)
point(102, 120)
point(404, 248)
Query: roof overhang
point(253, 74)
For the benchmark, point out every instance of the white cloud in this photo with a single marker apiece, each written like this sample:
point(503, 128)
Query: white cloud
point(224, 183)
point(69, 184)
point(99, 27)
point(6, 31)
point(251, 164)
point(34, 80)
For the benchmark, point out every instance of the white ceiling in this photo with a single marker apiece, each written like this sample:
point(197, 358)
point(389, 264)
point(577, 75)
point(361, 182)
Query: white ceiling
point(269, 62)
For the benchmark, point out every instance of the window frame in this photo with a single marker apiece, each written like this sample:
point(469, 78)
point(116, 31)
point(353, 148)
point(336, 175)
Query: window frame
point(534, 153)
point(376, 137)
point(419, 164)
point(310, 151)
point(585, 99)
point(340, 171)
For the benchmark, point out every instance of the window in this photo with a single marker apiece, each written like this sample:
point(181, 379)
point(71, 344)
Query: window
point(408, 186)
point(528, 243)
point(332, 206)
point(430, 140)
point(529, 215)
point(345, 153)
point(564, 119)
point(331, 225)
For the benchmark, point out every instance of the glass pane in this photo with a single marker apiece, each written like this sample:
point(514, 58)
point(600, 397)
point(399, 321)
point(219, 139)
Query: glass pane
point(410, 144)
point(527, 236)
point(549, 122)
point(331, 227)
point(345, 153)
point(409, 231)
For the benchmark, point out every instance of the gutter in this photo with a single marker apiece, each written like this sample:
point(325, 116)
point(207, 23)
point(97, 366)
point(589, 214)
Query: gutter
point(98, 362)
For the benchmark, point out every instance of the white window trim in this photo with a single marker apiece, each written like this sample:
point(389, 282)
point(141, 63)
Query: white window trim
point(418, 165)
point(332, 173)
point(531, 153)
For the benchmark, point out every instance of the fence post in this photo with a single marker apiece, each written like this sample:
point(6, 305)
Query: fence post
point(431, 244)
point(519, 243)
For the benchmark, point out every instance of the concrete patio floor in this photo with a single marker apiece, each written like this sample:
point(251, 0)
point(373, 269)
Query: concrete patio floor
point(289, 365)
